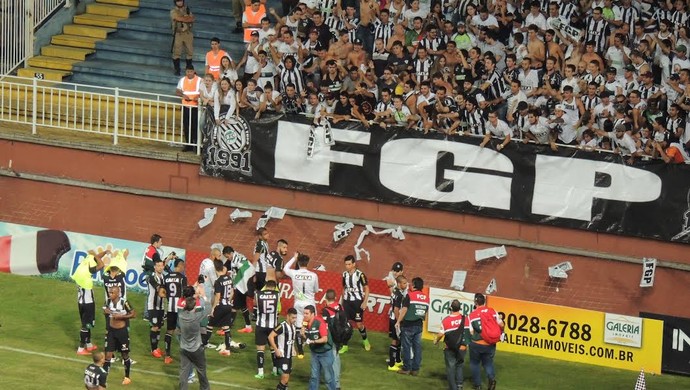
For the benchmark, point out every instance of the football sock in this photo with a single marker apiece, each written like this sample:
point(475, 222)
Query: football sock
point(282, 386)
point(273, 358)
point(227, 338)
point(128, 365)
point(205, 337)
point(260, 361)
point(363, 332)
point(168, 341)
point(83, 337)
point(245, 314)
point(392, 352)
point(398, 353)
point(106, 365)
point(155, 336)
point(88, 336)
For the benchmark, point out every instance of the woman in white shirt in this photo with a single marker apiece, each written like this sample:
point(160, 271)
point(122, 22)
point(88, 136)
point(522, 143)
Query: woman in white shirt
point(226, 95)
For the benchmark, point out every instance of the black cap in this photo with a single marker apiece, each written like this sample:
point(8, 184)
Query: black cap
point(397, 267)
point(254, 33)
point(358, 41)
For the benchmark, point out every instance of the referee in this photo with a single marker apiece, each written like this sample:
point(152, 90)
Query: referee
point(355, 298)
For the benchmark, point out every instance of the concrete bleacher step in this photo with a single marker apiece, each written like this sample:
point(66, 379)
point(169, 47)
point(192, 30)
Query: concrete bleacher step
point(126, 3)
point(97, 20)
point(66, 52)
point(43, 73)
point(109, 10)
point(56, 63)
point(126, 70)
point(76, 41)
point(87, 31)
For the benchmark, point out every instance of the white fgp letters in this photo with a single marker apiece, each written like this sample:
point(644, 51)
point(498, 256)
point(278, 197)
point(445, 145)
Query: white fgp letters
point(565, 187)
point(291, 162)
point(411, 167)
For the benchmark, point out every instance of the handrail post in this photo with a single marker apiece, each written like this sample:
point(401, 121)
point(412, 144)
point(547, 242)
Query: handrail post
point(198, 129)
point(34, 103)
point(116, 117)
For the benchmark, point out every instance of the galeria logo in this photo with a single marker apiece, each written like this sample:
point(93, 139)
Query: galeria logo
point(623, 330)
point(679, 340)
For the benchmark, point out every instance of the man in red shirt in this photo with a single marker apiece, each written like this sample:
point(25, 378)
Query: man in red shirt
point(453, 332)
point(482, 352)
point(329, 313)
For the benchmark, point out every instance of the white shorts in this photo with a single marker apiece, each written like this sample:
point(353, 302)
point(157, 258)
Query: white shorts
point(299, 306)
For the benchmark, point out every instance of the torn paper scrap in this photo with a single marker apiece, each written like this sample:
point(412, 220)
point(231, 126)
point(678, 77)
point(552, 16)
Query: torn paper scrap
point(209, 214)
point(648, 270)
point(497, 252)
point(560, 270)
point(342, 230)
point(396, 233)
point(321, 267)
point(492, 287)
point(271, 213)
point(458, 282)
point(240, 214)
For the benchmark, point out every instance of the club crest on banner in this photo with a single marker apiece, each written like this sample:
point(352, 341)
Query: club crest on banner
point(227, 145)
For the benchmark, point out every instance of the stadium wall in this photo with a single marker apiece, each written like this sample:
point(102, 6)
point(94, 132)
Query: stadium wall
point(595, 284)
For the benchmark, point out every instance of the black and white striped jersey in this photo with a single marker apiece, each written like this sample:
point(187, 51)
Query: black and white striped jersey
point(267, 308)
point(174, 283)
point(224, 287)
point(286, 338)
point(353, 285)
point(153, 301)
point(261, 248)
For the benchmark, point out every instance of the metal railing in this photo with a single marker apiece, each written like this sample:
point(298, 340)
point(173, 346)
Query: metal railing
point(19, 19)
point(112, 112)
point(44, 8)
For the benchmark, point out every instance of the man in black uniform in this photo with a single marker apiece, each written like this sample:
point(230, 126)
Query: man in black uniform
point(221, 313)
point(174, 283)
point(95, 376)
point(394, 351)
point(276, 261)
point(87, 305)
point(155, 305)
point(113, 276)
point(234, 262)
point(281, 340)
point(119, 312)
point(267, 303)
point(355, 298)
point(260, 261)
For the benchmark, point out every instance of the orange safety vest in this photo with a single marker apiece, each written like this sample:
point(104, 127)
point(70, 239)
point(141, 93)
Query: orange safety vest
point(190, 88)
point(213, 62)
point(253, 18)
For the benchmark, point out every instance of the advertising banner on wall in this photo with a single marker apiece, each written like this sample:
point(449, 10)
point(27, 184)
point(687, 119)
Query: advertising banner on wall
point(568, 188)
point(439, 307)
point(79, 245)
point(579, 335)
point(675, 357)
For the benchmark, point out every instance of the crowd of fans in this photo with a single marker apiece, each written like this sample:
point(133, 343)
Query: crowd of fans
point(598, 74)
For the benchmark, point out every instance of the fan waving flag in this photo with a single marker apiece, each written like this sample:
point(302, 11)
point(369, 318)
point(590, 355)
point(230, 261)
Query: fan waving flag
point(34, 253)
point(641, 383)
point(242, 276)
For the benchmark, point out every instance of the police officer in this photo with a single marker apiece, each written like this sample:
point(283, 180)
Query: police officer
point(182, 19)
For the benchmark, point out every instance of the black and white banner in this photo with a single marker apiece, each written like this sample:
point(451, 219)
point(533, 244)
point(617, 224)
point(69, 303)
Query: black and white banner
point(569, 188)
point(675, 356)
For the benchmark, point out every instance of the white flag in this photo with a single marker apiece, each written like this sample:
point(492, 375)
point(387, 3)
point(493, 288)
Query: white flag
point(648, 270)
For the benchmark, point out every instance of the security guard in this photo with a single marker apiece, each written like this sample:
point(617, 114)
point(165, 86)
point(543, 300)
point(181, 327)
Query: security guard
point(182, 20)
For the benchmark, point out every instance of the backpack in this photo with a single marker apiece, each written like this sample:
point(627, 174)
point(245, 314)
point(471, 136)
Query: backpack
point(339, 326)
point(491, 331)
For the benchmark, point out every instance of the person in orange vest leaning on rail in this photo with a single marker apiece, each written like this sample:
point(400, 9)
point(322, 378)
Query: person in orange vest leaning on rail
point(188, 89)
point(486, 328)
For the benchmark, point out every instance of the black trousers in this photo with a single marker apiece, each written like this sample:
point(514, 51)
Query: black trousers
point(190, 119)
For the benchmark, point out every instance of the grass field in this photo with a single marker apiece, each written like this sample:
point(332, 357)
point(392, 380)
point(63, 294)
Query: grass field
point(39, 329)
